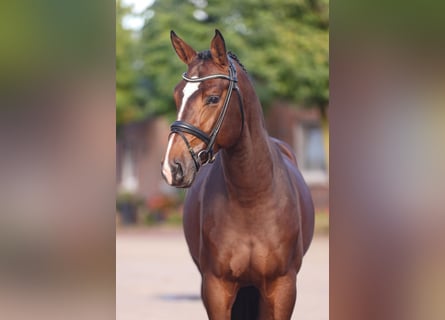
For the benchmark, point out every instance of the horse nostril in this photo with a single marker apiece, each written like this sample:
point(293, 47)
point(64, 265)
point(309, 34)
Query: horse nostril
point(177, 172)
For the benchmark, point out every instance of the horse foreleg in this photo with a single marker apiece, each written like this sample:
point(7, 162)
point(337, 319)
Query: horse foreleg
point(278, 298)
point(218, 296)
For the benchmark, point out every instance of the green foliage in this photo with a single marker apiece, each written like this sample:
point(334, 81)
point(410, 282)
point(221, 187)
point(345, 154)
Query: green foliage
point(282, 43)
point(130, 98)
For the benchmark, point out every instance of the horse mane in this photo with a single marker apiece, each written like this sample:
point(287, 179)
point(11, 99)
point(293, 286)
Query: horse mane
point(234, 57)
point(206, 55)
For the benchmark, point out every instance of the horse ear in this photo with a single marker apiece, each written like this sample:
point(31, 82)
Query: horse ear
point(183, 50)
point(218, 49)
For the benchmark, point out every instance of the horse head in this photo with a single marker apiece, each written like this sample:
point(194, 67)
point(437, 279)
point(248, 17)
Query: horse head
point(209, 116)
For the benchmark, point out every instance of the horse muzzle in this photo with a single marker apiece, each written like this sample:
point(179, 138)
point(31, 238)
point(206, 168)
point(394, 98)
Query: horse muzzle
point(178, 174)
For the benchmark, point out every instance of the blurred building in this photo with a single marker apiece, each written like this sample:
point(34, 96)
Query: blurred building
point(139, 149)
point(141, 146)
point(302, 129)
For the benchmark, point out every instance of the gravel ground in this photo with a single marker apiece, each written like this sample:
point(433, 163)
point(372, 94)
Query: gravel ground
point(157, 280)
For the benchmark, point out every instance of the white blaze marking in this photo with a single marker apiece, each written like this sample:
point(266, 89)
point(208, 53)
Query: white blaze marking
point(187, 92)
point(166, 167)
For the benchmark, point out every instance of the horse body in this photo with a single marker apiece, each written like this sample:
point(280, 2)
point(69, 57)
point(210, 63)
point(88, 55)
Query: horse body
point(248, 219)
point(243, 237)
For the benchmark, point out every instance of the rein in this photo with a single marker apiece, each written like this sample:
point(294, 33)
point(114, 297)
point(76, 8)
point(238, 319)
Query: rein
point(180, 127)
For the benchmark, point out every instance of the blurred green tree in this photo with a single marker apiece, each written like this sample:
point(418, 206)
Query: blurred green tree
point(130, 97)
point(282, 43)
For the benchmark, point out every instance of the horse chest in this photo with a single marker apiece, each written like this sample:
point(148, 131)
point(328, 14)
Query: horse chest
point(250, 244)
point(248, 258)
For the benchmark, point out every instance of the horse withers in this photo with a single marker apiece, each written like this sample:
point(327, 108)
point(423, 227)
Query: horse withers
point(248, 214)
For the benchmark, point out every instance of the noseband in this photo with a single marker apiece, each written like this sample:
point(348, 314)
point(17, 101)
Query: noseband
point(180, 127)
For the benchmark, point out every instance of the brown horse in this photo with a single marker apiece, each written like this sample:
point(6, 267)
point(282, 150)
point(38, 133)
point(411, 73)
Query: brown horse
point(248, 216)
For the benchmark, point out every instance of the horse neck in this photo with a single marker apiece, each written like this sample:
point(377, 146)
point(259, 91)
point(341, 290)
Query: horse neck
point(248, 165)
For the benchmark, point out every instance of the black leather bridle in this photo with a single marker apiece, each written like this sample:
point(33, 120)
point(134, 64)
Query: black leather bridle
point(180, 127)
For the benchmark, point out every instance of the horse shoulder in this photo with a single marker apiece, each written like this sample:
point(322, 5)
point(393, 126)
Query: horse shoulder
point(191, 214)
point(196, 205)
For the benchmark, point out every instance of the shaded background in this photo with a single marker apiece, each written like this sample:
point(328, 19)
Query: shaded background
point(57, 160)
point(387, 106)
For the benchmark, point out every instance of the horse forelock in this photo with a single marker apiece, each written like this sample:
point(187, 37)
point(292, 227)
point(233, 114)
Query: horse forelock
point(204, 55)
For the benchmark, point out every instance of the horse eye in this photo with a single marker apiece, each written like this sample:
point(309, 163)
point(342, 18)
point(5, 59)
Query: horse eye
point(212, 100)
